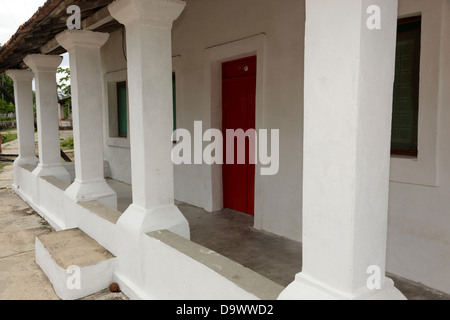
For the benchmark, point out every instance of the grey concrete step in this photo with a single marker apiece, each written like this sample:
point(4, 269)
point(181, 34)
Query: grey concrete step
point(75, 264)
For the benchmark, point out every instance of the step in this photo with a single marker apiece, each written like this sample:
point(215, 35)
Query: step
point(75, 264)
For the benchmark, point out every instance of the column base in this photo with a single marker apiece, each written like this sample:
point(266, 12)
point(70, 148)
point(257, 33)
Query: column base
point(92, 190)
point(136, 220)
point(20, 161)
point(132, 227)
point(306, 288)
point(57, 171)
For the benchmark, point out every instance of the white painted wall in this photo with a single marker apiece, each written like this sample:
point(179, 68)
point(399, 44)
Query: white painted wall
point(116, 150)
point(205, 25)
point(419, 208)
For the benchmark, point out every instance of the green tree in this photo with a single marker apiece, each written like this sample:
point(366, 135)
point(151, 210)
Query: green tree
point(7, 83)
point(64, 89)
point(6, 107)
point(64, 82)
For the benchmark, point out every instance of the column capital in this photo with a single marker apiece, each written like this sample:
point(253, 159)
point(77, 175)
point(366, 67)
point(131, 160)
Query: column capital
point(42, 62)
point(157, 13)
point(71, 39)
point(20, 75)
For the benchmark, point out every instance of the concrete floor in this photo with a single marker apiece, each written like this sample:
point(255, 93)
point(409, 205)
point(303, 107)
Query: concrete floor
point(231, 234)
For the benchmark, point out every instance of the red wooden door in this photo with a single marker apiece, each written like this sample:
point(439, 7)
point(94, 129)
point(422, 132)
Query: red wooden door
point(238, 112)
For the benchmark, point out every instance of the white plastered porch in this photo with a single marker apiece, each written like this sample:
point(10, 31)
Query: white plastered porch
point(204, 274)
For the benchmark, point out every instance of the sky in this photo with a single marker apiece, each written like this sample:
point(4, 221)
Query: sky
point(13, 13)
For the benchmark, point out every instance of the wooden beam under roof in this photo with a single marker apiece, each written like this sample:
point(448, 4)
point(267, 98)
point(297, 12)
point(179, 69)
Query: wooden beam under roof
point(98, 19)
point(50, 46)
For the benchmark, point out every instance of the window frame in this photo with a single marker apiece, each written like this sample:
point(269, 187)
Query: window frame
point(110, 108)
point(416, 82)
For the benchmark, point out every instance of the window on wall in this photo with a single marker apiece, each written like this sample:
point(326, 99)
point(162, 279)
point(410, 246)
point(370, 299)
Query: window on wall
point(122, 109)
point(404, 139)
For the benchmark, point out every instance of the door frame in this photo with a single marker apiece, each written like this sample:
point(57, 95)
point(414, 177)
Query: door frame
point(215, 56)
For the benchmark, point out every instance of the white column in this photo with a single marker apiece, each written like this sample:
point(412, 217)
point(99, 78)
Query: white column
point(86, 81)
point(23, 94)
point(149, 54)
point(44, 68)
point(349, 75)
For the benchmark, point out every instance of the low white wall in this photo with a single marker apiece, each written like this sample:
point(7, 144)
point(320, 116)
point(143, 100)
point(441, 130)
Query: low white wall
point(203, 275)
point(51, 203)
point(45, 195)
point(70, 167)
point(26, 182)
point(161, 254)
point(99, 222)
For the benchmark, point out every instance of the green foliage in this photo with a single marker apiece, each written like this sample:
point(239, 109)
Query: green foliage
point(6, 107)
point(67, 144)
point(64, 89)
point(8, 84)
point(7, 137)
point(64, 82)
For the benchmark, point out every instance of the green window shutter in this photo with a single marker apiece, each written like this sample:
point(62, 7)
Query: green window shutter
point(174, 92)
point(122, 108)
point(406, 89)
